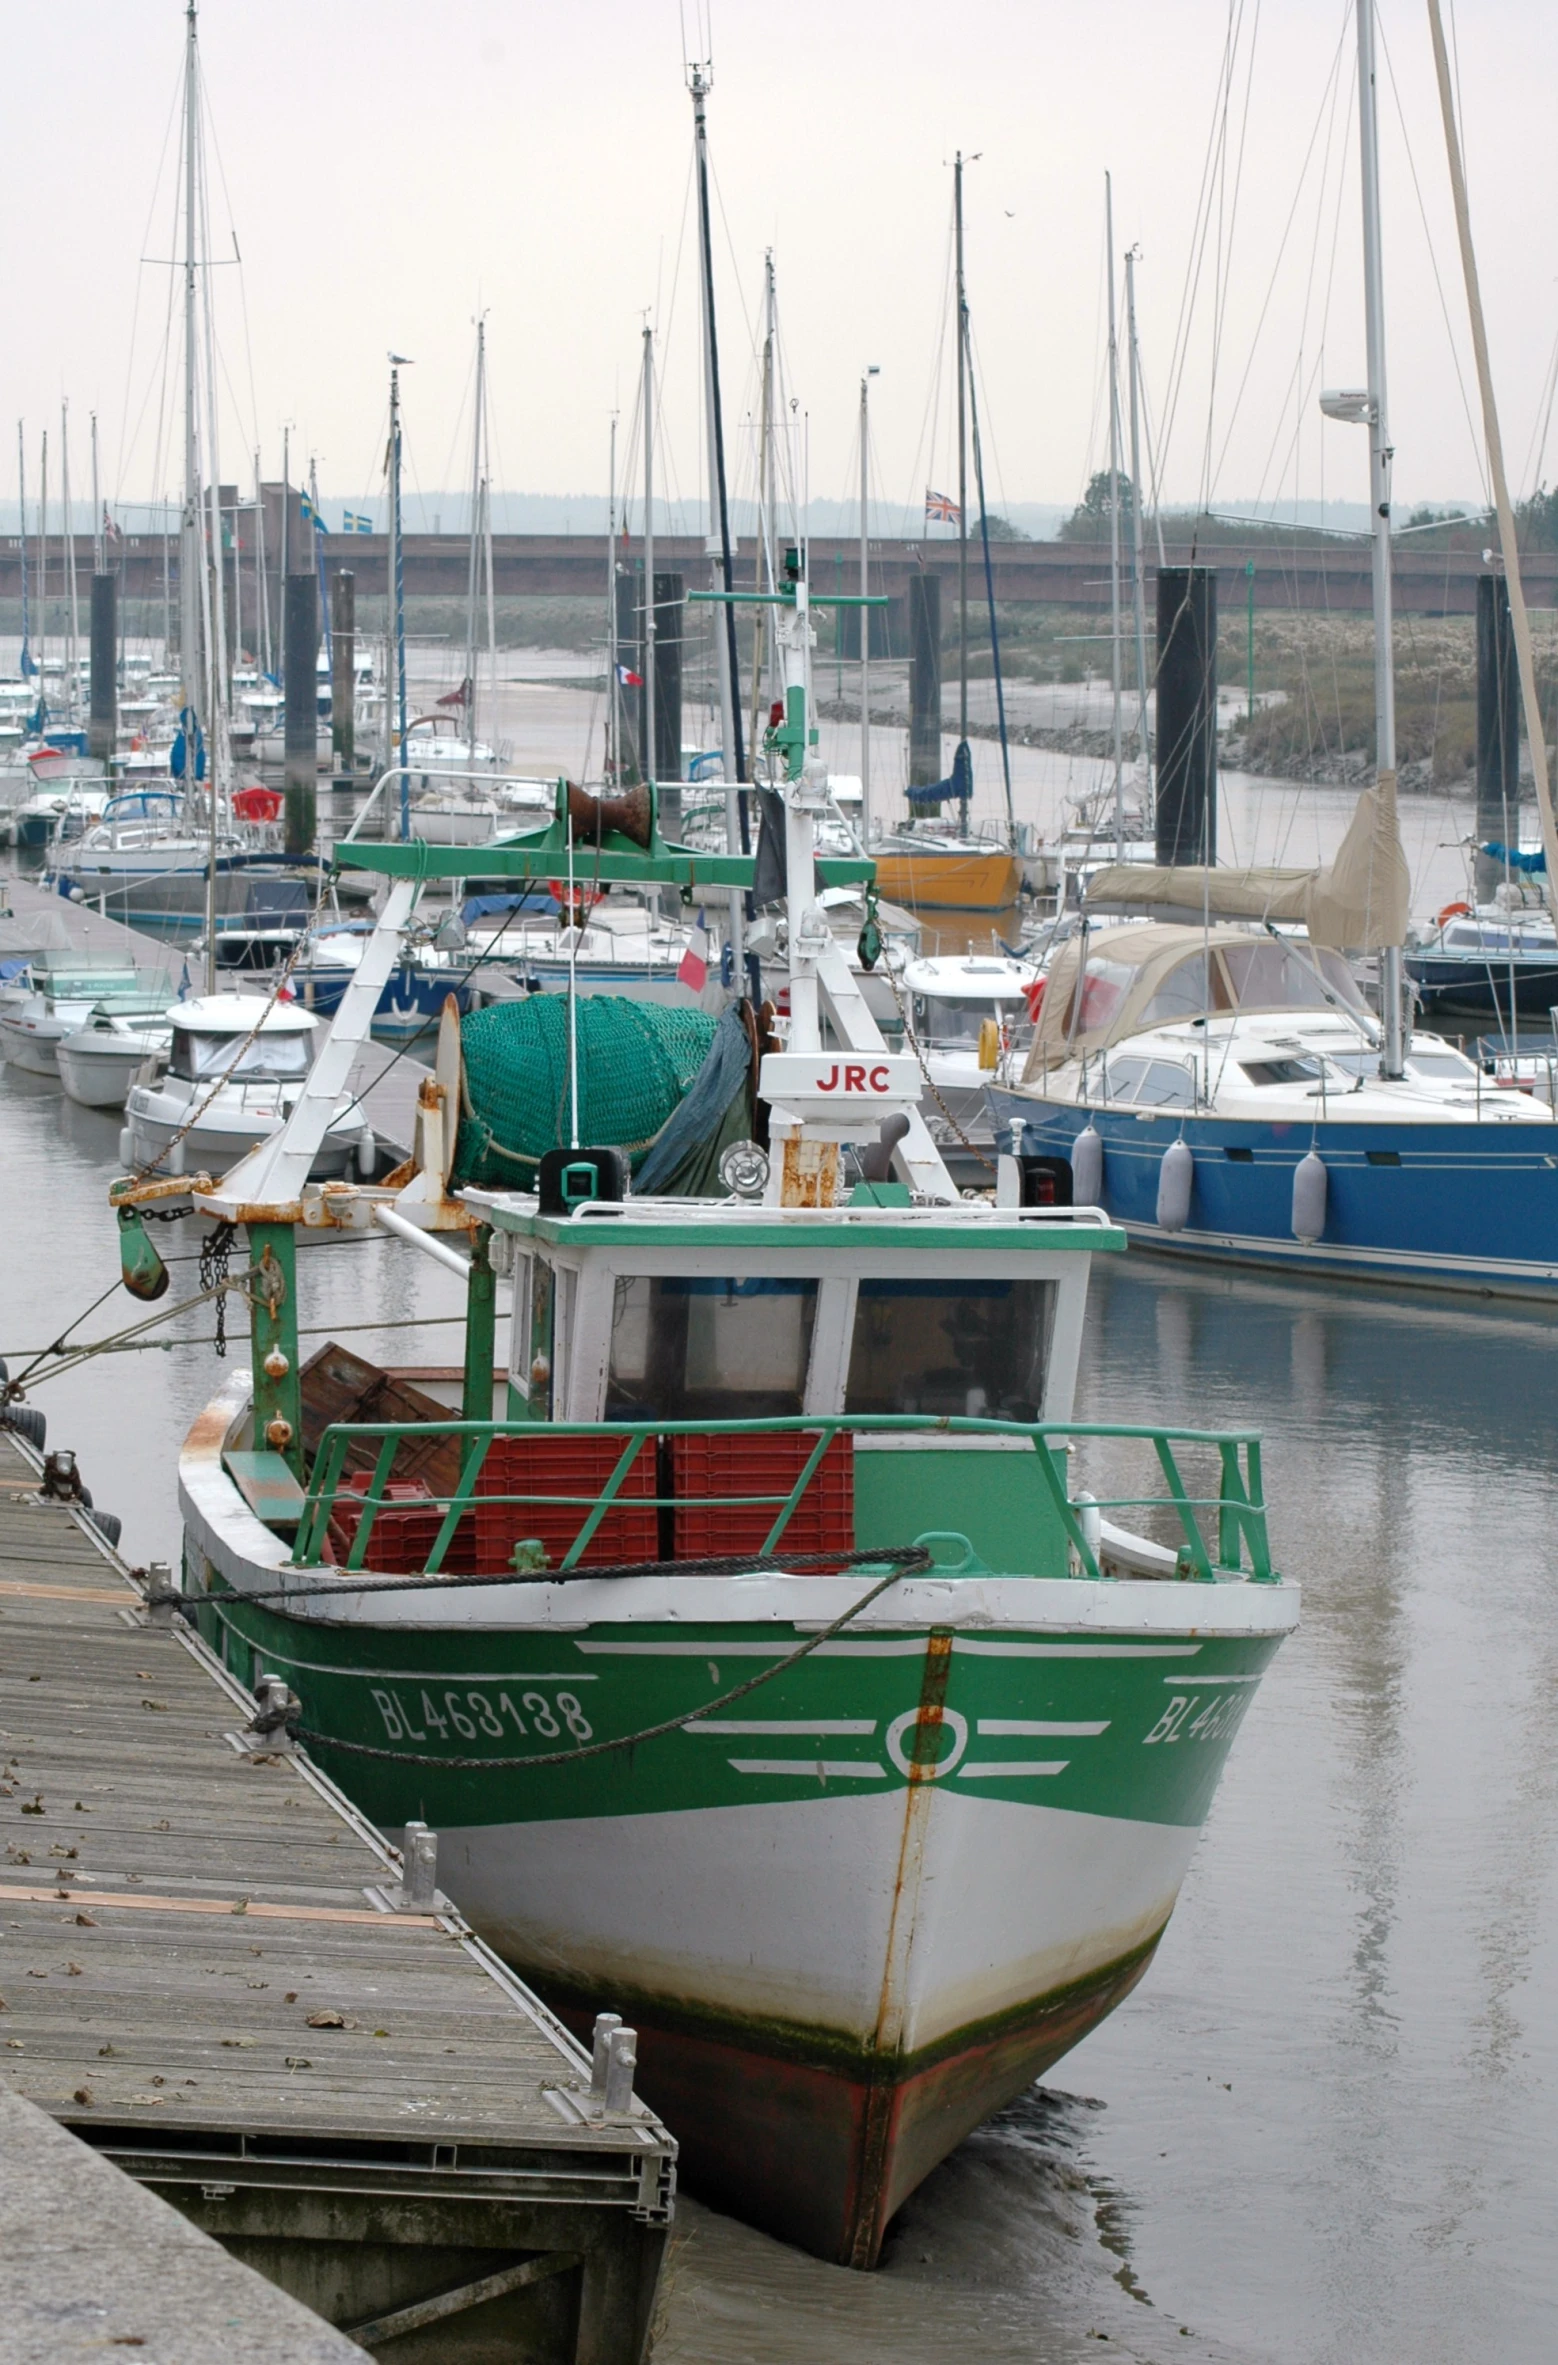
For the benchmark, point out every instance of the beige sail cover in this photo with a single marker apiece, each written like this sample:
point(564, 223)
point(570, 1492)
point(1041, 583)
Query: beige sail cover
point(1357, 903)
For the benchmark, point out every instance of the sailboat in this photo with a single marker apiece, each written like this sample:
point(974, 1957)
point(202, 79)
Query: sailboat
point(1222, 1089)
point(929, 867)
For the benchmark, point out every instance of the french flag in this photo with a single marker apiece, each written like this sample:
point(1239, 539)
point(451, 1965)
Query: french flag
point(693, 968)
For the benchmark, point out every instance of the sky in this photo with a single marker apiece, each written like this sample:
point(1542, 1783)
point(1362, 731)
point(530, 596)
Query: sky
point(388, 168)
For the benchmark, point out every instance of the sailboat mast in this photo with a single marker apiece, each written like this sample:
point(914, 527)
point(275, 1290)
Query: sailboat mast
point(1138, 561)
point(99, 555)
point(957, 214)
point(473, 577)
point(1392, 997)
point(865, 613)
point(761, 637)
point(189, 535)
point(21, 492)
point(43, 550)
point(398, 595)
point(700, 79)
point(646, 753)
point(72, 648)
point(1114, 530)
point(612, 769)
point(261, 590)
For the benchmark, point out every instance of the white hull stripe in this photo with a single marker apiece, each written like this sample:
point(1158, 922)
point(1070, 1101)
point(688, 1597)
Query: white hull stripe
point(860, 1769)
point(1267, 1246)
point(819, 1728)
point(1024, 1728)
point(1012, 1769)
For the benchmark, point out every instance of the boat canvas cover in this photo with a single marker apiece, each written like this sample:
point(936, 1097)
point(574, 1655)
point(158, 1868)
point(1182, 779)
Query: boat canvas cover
point(1127, 968)
point(1357, 903)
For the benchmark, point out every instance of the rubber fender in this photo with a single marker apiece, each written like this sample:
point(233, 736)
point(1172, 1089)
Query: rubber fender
point(1176, 1175)
point(1087, 1168)
point(27, 1421)
point(1309, 1188)
point(109, 1526)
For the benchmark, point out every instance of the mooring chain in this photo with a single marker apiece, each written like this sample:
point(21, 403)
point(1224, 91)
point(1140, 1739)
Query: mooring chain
point(215, 1250)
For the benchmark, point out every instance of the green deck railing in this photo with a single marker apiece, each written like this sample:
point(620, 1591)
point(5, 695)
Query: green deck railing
point(1239, 1504)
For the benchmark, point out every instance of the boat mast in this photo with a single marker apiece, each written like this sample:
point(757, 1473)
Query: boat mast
point(957, 215)
point(43, 552)
point(73, 625)
point(398, 591)
point(865, 614)
point(261, 589)
point(612, 767)
point(646, 753)
point(700, 79)
point(189, 532)
point(1392, 999)
point(762, 642)
point(1114, 530)
point(99, 549)
point(473, 577)
point(26, 668)
point(1138, 561)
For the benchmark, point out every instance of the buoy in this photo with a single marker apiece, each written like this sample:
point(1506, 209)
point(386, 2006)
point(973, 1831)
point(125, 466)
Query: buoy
point(1453, 911)
point(1087, 1168)
point(1176, 1173)
point(1309, 1186)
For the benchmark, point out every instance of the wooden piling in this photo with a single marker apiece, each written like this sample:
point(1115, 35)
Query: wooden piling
point(925, 766)
point(1498, 730)
point(1187, 715)
point(103, 716)
point(300, 690)
point(343, 669)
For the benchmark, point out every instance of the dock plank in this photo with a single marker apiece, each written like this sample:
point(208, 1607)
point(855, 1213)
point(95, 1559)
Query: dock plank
point(171, 1914)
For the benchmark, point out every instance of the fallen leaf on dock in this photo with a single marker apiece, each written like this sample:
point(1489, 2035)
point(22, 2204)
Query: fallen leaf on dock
point(327, 2020)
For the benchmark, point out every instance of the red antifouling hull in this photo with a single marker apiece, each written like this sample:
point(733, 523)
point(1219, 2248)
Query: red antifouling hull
point(822, 2153)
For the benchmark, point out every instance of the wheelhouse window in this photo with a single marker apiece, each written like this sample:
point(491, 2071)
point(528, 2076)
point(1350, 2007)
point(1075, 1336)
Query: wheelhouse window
point(694, 1349)
point(969, 1348)
point(271, 1058)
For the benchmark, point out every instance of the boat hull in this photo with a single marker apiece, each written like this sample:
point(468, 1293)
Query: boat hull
point(1469, 1207)
point(851, 1916)
point(100, 1079)
point(982, 880)
point(1480, 989)
point(30, 1044)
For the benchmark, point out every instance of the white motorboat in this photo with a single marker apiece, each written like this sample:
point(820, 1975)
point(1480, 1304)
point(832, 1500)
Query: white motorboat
point(234, 1069)
point(99, 1063)
point(54, 994)
point(969, 1019)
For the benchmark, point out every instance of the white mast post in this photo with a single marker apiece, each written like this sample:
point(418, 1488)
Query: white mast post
point(647, 750)
point(700, 81)
point(1114, 530)
point(865, 613)
point(1381, 454)
point(189, 532)
point(1138, 565)
point(73, 644)
point(472, 571)
point(612, 767)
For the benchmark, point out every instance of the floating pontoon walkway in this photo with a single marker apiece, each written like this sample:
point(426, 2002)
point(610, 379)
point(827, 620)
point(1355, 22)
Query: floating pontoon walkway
point(202, 1979)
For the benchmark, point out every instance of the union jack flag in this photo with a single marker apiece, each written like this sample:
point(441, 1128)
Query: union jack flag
point(941, 509)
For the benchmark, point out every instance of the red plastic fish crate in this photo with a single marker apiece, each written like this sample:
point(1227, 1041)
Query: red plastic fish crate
point(403, 1531)
point(545, 1465)
point(822, 1521)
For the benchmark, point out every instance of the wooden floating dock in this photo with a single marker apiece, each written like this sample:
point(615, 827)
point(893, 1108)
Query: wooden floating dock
point(203, 1981)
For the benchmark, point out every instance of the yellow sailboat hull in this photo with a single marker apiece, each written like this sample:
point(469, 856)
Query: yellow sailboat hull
point(983, 879)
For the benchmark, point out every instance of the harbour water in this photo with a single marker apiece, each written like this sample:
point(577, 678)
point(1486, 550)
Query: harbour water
point(1322, 2130)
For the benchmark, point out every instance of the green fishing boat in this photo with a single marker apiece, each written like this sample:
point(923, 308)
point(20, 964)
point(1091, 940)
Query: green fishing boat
point(777, 1660)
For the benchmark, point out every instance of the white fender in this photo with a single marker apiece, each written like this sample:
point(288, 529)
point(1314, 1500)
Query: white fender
point(1309, 1188)
point(1087, 1167)
point(1176, 1173)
